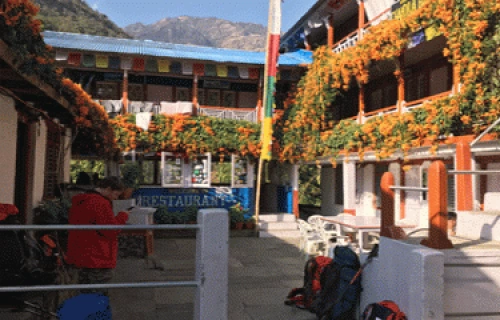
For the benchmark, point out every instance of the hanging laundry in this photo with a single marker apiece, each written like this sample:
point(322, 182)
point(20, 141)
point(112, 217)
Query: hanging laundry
point(142, 120)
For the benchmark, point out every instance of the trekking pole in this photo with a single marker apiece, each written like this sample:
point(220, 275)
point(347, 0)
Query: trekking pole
point(373, 253)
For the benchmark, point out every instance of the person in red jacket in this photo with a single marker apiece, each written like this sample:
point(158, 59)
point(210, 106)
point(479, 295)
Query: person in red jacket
point(94, 252)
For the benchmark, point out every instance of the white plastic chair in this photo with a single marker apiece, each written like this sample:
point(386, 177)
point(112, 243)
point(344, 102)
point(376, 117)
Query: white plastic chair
point(311, 243)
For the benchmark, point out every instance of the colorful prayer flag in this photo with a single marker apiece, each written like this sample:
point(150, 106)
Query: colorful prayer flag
point(272, 52)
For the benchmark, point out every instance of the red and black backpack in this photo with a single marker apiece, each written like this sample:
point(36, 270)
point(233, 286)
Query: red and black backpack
point(306, 296)
point(383, 310)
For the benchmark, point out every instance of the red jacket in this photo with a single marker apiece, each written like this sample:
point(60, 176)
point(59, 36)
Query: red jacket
point(93, 248)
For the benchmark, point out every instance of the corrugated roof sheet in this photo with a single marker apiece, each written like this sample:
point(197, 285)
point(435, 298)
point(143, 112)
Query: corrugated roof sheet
point(83, 42)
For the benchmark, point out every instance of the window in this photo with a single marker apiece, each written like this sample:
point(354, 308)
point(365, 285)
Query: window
point(52, 154)
point(221, 172)
point(136, 92)
point(242, 172)
point(201, 96)
point(213, 98)
point(200, 171)
point(172, 168)
point(229, 99)
point(107, 90)
point(339, 184)
point(182, 94)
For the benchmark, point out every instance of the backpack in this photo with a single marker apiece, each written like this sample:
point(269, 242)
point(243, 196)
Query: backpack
point(306, 296)
point(383, 310)
point(23, 259)
point(341, 286)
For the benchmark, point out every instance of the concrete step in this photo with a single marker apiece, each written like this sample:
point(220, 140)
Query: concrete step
point(277, 217)
point(279, 234)
point(292, 225)
point(278, 225)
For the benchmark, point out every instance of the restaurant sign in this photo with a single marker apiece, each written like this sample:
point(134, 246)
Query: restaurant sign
point(180, 199)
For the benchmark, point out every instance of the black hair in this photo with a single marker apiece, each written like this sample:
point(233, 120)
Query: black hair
point(114, 183)
point(452, 215)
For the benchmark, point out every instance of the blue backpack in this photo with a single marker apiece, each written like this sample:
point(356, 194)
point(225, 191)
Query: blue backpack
point(340, 286)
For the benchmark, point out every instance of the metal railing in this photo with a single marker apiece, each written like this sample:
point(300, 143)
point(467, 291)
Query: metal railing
point(212, 255)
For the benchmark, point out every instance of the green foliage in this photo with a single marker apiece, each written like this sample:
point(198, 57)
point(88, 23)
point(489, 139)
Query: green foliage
point(237, 213)
point(309, 185)
point(162, 216)
point(52, 211)
point(131, 174)
point(93, 166)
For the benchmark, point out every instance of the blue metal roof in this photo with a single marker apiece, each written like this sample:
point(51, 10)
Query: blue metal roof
point(84, 42)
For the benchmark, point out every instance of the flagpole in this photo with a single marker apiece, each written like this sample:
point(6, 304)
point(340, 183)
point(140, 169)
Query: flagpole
point(270, 66)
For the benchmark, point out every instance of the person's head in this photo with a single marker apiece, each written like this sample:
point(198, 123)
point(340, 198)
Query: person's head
point(110, 187)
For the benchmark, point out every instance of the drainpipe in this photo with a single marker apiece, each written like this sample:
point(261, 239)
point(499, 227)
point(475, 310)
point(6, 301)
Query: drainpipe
point(464, 181)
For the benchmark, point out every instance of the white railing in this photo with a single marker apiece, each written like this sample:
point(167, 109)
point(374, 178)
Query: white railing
point(247, 114)
point(212, 255)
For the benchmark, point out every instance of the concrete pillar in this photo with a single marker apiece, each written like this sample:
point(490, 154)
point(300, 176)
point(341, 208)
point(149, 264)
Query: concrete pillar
point(212, 256)
point(387, 219)
point(464, 191)
point(438, 207)
point(349, 187)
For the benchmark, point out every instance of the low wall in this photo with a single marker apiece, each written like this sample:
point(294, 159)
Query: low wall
point(479, 225)
point(472, 284)
point(410, 275)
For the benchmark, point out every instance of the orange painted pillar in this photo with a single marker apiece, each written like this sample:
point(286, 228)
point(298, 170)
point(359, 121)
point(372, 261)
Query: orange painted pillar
point(361, 98)
point(125, 92)
point(464, 181)
point(195, 95)
point(456, 77)
point(387, 210)
point(330, 32)
point(401, 83)
point(259, 101)
point(438, 207)
point(361, 18)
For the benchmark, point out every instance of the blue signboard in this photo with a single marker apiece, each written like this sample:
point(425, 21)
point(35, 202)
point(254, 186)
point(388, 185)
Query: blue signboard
point(180, 199)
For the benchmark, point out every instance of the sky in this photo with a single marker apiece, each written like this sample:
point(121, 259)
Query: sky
point(125, 12)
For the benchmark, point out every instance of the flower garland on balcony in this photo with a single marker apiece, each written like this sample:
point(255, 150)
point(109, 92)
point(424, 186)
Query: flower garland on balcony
point(21, 31)
point(473, 38)
point(188, 135)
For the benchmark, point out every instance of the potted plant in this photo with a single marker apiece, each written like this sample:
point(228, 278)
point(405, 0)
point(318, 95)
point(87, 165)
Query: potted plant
point(237, 216)
point(131, 174)
point(249, 222)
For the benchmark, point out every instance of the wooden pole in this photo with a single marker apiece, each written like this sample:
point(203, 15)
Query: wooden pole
point(257, 193)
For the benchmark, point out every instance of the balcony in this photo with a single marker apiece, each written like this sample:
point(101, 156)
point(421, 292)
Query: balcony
point(114, 107)
point(247, 114)
point(351, 39)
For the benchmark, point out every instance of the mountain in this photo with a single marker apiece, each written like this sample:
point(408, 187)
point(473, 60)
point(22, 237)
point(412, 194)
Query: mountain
point(211, 32)
point(77, 17)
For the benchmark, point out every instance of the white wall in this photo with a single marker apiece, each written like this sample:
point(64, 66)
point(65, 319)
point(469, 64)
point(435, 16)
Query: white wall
point(410, 275)
point(472, 284)
point(40, 145)
point(8, 142)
